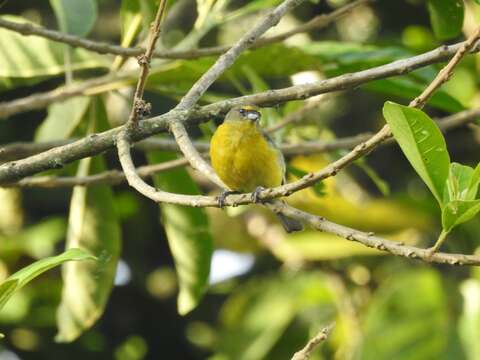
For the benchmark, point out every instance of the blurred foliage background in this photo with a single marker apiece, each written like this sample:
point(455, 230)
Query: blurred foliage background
point(268, 293)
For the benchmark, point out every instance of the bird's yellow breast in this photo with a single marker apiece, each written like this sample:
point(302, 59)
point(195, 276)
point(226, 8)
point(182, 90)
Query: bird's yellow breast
point(243, 158)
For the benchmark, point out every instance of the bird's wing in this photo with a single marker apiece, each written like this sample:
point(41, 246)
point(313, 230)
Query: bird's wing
point(281, 159)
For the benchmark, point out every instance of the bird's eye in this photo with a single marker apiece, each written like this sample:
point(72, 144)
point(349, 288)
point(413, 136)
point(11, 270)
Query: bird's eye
point(242, 111)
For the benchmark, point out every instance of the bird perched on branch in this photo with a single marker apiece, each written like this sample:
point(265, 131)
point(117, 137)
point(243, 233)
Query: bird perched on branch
point(246, 159)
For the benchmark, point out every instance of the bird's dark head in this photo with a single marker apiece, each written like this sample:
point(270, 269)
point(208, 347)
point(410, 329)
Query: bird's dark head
point(244, 112)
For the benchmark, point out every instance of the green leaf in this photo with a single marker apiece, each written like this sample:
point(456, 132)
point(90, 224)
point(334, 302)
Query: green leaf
point(75, 17)
point(458, 183)
point(446, 17)
point(422, 143)
point(22, 277)
point(474, 183)
point(32, 56)
point(93, 225)
point(62, 119)
point(188, 235)
point(7, 288)
point(459, 211)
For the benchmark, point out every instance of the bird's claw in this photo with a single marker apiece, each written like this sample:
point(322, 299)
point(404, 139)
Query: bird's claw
point(223, 197)
point(256, 194)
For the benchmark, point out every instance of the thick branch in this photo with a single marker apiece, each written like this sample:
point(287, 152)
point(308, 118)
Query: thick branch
point(114, 177)
point(98, 143)
point(19, 150)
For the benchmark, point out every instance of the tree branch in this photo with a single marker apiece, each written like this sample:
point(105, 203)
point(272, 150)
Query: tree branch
point(98, 143)
point(268, 98)
point(28, 29)
point(369, 239)
point(115, 177)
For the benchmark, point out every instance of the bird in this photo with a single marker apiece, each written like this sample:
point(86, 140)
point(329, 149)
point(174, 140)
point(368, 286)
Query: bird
point(246, 159)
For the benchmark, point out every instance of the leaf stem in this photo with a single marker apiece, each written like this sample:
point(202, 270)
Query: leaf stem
point(441, 239)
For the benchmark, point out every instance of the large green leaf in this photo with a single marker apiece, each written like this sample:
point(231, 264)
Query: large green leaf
point(75, 17)
point(22, 277)
point(62, 119)
point(93, 225)
point(422, 143)
point(32, 56)
point(459, 211)
point(188, 235)
point(446, 17)
point(399, 326)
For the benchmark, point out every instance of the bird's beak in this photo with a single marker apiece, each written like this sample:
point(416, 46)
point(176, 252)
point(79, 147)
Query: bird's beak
point(253, 115)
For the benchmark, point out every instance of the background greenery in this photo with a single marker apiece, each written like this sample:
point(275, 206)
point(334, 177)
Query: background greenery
point(288, 287)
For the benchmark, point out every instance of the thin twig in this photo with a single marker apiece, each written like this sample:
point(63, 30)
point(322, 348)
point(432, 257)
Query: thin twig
point(111, 177)
point(306, 352)
point(140, 108)
point(27, 29)
point(369, 239)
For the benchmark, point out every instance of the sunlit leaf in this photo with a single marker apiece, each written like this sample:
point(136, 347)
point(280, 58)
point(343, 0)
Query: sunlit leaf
point(31, 56)
point(22, 277)
point(93, 226)
point(446, 17)
point(422, 143)
point(75, 17)
point(188, 235)
point(458, 183)
point(459, 211)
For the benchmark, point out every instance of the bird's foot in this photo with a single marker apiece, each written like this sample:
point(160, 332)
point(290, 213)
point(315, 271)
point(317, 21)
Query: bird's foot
point(256, 195)
point(223, 197)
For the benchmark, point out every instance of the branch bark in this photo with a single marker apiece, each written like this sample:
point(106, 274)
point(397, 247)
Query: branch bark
point(29, 29)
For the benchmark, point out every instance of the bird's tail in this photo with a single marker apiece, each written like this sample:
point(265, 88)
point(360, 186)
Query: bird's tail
point(289, 224)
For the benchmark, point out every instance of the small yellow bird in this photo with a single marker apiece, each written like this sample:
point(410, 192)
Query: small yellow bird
point(246, 159)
